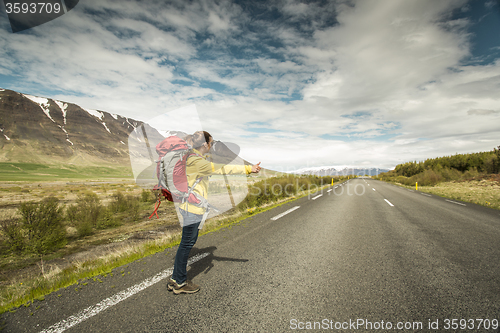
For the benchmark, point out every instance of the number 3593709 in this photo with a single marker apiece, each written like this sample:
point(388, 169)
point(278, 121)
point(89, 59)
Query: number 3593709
point(33, 8)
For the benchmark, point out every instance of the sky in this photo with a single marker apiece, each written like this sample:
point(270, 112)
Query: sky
point(294, 83)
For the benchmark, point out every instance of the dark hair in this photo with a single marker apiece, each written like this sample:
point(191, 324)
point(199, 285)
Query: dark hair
point(199, 138)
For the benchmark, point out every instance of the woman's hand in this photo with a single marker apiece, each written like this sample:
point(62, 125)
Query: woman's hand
point(256, 168)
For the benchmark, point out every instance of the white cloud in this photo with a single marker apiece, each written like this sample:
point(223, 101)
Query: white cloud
point(396, 63)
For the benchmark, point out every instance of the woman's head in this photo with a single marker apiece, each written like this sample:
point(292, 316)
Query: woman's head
point(200, 138)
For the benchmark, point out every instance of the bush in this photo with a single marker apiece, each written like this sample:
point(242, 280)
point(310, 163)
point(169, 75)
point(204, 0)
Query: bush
point(84, 215)
point(42, 226)
point(12, 230)
point(147, 196)
point(125, 204)
point(274, 189)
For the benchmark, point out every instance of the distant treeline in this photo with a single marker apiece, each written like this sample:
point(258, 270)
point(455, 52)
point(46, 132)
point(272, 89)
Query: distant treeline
point(434, 170)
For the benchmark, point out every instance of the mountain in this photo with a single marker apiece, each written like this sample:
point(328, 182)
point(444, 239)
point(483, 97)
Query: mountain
point(339, 171)
point(43, 130)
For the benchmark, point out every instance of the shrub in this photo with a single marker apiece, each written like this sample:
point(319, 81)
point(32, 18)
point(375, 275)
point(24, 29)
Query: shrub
point(84, 215)
point(107, 220)
point(274, 189)
point(147, 196)
point(12, 230)
point(42, 225)
point(119, 203)
point(125, 204)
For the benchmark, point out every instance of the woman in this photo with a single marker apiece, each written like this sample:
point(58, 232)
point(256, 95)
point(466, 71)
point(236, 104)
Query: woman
point(197, 167)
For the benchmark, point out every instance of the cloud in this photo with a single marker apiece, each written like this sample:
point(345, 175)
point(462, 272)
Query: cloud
point(294, 83)
point(482, 112)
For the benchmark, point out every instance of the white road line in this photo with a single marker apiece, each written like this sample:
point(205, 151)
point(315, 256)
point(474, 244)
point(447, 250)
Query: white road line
point(373, 189)
point(113, 300)
point(284, 213)
point(427, 195)
point(389, 203)
point(329, 191)
point(316, 197)
point(458, 203)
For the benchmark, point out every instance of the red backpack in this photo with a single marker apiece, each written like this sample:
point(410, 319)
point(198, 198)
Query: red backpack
point(173, 153)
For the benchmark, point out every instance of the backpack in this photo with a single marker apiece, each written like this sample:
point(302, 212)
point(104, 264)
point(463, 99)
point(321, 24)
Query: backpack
point(173, 153)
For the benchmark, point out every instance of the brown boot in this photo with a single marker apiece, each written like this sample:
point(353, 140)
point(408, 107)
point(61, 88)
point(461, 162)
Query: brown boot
point(187, 287)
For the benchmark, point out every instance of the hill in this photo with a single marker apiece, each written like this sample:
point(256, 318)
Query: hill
point(42, 130)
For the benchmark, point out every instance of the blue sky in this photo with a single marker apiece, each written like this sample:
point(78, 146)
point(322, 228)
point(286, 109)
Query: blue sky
point(294, 83)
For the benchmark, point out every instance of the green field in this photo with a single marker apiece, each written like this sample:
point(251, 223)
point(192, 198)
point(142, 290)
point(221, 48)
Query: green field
point(46, 172)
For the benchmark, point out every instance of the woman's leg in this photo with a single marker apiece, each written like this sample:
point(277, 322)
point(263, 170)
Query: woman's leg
point(189, 237)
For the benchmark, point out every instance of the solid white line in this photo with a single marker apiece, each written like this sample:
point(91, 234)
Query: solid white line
point(389, 203)
point(284, 213)
point(458, 203)
point(316, 197)
point(113, 300)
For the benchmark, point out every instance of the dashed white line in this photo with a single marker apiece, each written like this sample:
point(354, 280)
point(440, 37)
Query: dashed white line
point(329, 190)
point(316, 197)
point(373, 189)
point(427, 195)
point(458, 203)
point(284, 213)
point(113, 300)
point(389, 203)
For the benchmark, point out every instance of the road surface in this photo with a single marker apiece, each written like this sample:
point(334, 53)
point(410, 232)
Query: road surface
point(361, 256)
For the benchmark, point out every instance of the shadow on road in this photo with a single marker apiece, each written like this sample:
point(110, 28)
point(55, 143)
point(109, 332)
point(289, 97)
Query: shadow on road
point(206, 264)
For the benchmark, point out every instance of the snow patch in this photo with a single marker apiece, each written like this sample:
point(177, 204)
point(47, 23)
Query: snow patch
point(95, 113)
point(106, 127)
point(63, 107)
point(1, 130)
point(2, 90)
point(114, 115)
point(122, 142)
point(43, 103)
point(130, 123)
point(100, 115)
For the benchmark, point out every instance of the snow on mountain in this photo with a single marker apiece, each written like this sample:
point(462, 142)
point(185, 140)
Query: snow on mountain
point(43, 103)
point(40, 129)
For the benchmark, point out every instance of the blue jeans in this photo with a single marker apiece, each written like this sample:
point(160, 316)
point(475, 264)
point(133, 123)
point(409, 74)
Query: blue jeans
point(189, 237)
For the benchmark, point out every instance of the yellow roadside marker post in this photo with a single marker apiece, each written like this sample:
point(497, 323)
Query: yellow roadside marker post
point(416, 186)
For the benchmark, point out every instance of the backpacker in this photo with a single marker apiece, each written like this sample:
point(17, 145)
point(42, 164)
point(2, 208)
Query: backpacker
point(173, 153)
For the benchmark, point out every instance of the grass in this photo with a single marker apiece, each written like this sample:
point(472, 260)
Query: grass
point(484, 191)
point(45, 172)
point(25, 290)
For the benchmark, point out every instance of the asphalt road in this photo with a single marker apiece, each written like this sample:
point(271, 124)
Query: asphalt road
point(365, 256)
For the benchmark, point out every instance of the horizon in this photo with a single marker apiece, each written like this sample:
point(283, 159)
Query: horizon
point(370, 84)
